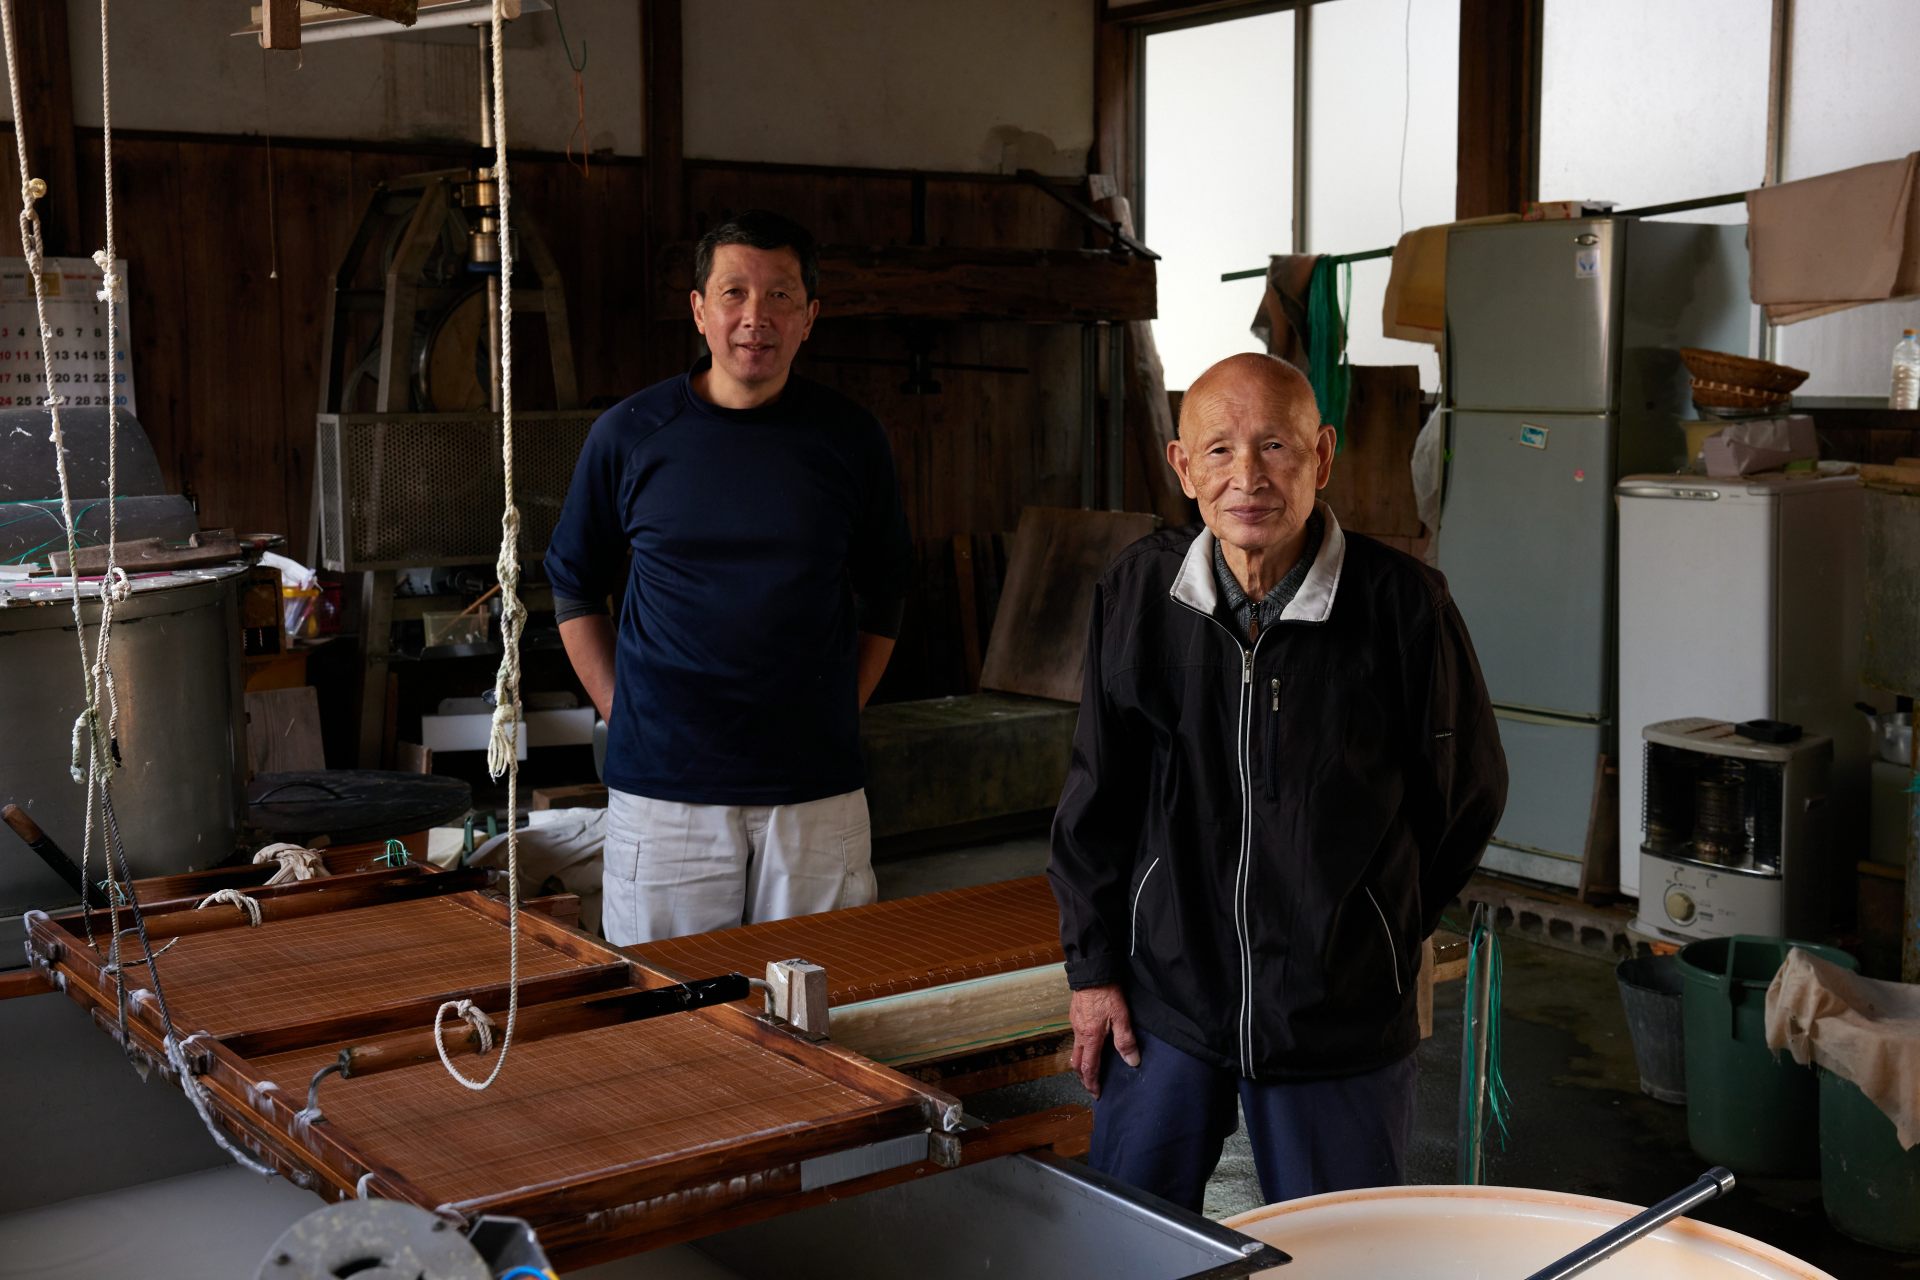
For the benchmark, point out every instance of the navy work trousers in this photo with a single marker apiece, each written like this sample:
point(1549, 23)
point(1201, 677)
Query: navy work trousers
point(1161, 1126)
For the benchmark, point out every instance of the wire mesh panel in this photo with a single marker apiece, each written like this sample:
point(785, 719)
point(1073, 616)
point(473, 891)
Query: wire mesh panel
point(405, 489)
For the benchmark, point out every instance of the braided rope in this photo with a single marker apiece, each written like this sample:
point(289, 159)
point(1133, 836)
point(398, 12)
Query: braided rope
point(95, 775)
point(503, 754)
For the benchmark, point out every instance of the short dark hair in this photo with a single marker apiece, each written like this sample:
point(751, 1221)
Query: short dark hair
point(760, 229)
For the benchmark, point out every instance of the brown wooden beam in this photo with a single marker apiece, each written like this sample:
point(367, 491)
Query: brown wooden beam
point(1032, 286)
point(1497, 165)
point(46, 102)
point(664, 141)
point(1114, 103)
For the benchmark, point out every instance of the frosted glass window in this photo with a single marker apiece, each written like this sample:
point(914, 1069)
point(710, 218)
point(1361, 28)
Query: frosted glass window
point(1218, 180)
point(1378, 67)
point(1649, 101)
point(1852, 98)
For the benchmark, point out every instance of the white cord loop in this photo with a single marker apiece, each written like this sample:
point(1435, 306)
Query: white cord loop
point(503, 743)
point(234, 898)
point(475, 1017)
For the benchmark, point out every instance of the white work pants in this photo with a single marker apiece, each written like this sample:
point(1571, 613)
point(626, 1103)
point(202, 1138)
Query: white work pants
point(674, 869)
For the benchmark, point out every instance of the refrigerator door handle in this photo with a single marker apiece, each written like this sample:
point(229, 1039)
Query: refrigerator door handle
point(1587, 238)
point(1661, 491)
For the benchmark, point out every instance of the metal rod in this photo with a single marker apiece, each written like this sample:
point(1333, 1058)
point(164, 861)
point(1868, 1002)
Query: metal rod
point(1710, 1185)
point(1110, 226)
point(1645, 211)
point(1113, 457)
point(1335, 258)
point(52, 854)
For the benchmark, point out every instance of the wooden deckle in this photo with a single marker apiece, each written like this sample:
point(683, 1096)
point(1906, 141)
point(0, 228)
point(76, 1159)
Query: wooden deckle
point(908, 944)
point(610, 1138)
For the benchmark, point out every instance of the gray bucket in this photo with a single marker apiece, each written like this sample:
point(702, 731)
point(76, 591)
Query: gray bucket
point(1650, 989)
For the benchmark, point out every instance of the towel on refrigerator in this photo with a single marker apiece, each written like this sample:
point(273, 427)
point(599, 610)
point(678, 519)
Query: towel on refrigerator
point(1415, 306)
point(1836, 241)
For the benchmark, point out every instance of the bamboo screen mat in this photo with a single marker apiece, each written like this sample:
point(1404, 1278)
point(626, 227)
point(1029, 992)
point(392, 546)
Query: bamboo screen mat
point(242, 979)
point(569, 1105)
point(887, 948)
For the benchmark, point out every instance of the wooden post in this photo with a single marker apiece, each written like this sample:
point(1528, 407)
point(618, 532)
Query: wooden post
point(1498, 163)
point(1149, 413)
point(662, 81)
point(46, 103)
point(280, 24)
point(1113, 101)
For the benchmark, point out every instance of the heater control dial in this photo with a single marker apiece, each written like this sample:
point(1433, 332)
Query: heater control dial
point(1680, 905)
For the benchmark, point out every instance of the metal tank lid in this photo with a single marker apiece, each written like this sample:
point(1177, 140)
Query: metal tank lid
point(54, 591)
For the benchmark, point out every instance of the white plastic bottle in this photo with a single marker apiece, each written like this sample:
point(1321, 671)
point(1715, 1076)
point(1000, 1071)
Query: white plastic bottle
point(1906, 372)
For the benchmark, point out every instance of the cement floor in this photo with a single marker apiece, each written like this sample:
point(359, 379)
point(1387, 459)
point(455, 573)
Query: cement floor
point(1578, 1121)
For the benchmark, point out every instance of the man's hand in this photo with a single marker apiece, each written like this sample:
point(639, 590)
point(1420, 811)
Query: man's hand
point(1096, 1013)
point(589, 643)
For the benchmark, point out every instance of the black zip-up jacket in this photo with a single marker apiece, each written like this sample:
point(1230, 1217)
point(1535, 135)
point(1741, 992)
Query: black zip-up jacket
point(1255, 840)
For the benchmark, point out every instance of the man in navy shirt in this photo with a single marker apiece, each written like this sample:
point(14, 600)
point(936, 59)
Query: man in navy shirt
point(755, 517)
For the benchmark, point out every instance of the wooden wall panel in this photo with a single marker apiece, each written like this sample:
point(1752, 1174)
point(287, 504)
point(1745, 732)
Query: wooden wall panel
point(226, 356)
point(316, 204)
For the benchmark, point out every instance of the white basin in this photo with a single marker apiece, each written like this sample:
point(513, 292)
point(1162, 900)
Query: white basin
point(1494, 1233)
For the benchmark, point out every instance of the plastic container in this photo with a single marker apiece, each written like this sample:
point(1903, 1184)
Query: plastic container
point(1650, 991)
point(1869, 1183)
point(456, 628)
point(1748, 1108)
point(1906, 372)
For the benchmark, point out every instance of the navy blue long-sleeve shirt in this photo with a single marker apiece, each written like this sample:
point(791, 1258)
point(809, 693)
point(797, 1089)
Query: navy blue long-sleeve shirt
point(751, 531)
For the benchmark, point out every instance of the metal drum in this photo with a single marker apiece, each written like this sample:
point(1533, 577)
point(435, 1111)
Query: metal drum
point(176, 660)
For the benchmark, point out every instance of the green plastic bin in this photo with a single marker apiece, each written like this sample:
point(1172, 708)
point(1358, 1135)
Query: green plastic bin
point(1747, 1108)
point(1869, 1183)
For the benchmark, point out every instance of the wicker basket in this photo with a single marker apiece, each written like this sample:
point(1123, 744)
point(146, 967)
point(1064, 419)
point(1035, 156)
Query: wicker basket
point(1741, 371)
point(1725, 395)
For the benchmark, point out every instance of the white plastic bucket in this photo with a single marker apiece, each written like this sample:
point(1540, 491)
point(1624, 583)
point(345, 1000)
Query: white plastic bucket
point(1471, 1233)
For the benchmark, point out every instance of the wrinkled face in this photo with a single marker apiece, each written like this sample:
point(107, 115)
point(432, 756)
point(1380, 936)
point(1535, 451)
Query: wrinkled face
point(755, 314)
point(1252, 453)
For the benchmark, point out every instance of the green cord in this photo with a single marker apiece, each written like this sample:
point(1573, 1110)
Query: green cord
point(1328, 370)
point(1499, 1103)
point(564, 46)
point(395, 856)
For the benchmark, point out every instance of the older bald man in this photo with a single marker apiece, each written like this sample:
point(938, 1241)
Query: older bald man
point(1285, 767)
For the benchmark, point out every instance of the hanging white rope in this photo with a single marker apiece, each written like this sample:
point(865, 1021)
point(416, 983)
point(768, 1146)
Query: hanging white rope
point(503, 754)
point(90, 742)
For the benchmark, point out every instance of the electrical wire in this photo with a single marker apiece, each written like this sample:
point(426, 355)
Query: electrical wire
point(1406, 107)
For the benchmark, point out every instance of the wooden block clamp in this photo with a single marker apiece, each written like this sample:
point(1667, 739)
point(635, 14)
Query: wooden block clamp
point(797, 992)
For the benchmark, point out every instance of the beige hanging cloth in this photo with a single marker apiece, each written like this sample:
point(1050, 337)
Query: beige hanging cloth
point(1415, 306)
point(1840, 240)
point(1861, 1029)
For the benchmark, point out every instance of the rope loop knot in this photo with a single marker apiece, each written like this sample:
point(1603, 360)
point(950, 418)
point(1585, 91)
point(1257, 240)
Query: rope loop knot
point(475, 1017)
point(235, 898)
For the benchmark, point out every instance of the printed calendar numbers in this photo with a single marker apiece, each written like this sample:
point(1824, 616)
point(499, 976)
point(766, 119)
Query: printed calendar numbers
point(77, 337)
